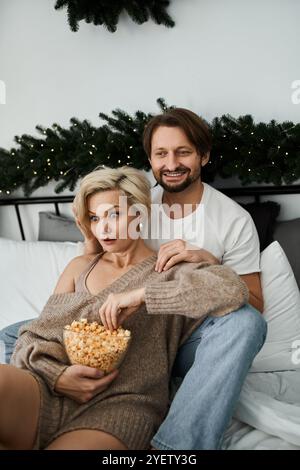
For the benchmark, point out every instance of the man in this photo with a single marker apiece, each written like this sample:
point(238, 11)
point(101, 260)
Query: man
point(202, 225)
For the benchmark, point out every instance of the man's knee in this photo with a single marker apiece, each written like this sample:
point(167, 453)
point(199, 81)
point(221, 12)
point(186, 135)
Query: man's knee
point(250, 324)
point(8, 338)
point(10, 332)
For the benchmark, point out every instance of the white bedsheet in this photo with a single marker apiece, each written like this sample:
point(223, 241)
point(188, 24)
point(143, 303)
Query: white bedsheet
point(268, 413)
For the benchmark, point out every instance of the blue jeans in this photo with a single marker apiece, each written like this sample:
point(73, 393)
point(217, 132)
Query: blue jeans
point(9, 336)
point(212, 364)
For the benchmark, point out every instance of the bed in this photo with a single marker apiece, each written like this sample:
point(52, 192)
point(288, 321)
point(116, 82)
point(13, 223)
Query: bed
point(267, 415)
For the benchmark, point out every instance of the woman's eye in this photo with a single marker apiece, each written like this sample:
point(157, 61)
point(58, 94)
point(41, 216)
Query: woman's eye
point(94, 218)
point(114, 215)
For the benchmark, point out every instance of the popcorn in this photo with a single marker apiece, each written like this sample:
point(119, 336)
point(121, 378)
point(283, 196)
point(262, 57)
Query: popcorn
point(90, 344)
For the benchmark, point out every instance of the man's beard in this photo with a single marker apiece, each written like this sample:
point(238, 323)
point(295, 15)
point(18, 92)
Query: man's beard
point(177, 188)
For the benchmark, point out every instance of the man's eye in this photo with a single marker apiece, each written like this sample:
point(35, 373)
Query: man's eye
point(114, 215)
point(161, 154)
point(184, 152)
point(94, 218)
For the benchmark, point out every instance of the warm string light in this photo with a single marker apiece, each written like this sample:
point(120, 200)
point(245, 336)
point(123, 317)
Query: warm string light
point(242, 167)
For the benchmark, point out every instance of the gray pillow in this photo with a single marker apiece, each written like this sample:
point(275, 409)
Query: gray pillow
point(287, 233)
point(57, 228)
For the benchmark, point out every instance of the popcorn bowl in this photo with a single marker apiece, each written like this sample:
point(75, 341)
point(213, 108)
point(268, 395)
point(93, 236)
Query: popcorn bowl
point(90, 344)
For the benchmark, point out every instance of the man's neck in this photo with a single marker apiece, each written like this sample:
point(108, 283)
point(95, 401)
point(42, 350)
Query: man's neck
point(188, 199)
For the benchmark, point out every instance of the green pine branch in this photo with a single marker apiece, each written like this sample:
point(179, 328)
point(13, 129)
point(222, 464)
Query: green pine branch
point(107, 12)
point(253, 152)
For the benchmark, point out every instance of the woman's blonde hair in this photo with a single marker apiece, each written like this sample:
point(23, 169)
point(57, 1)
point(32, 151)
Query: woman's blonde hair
point(129, 181)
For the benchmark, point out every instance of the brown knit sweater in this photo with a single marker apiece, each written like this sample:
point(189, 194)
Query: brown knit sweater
point(135, 404)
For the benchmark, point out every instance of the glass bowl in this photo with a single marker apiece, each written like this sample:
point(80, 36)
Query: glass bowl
point(90, 344)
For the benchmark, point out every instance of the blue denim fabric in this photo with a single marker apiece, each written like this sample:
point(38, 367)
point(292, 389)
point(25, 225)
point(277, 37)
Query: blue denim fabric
point(213, 363)
point(9, 336)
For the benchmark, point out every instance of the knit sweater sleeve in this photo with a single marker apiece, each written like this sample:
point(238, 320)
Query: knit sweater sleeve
point(38, 355)
point(39, 347)
point(197, 290)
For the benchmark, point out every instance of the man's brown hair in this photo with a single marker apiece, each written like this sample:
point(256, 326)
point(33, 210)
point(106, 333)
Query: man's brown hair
point(195, 128)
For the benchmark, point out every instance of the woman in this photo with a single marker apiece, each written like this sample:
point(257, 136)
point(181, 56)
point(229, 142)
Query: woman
point(45, 402)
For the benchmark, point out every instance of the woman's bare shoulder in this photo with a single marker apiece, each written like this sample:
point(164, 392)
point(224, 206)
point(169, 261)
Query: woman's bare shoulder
point(66, 281)
point(80, 262)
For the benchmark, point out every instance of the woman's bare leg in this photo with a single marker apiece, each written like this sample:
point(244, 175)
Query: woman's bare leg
point(19, 408)
point(86, 439)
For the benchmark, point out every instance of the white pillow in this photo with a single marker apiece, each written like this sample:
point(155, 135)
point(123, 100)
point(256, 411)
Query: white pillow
point(282, 312)
point(28, 274)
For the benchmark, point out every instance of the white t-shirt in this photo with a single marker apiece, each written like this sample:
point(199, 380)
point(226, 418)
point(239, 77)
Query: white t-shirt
point(219, 225)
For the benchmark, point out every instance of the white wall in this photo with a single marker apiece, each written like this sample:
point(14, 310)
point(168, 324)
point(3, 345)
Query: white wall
point(223, 56)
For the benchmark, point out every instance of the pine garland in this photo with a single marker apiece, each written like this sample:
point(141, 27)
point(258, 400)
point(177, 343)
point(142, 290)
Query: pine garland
point(260, 153)
point(107, 12)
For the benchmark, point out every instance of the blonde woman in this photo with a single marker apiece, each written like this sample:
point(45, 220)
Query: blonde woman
point(47, 403)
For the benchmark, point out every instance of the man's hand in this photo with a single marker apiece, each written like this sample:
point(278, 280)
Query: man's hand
point(177, 251)
point(118, 307)
point(82, 383)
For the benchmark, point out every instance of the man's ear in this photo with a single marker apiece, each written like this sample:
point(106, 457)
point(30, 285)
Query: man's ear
point(205, 159)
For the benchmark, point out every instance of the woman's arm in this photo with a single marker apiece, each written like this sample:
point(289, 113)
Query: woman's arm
point(212, 290)
point(40, 348)
point(195, 291)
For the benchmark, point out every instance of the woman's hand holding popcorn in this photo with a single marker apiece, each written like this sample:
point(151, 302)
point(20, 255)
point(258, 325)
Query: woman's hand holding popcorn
point(118, 307)
point(82, 383)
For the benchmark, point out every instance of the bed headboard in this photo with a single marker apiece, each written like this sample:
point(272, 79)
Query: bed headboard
point(16, 202)
point(255, 192)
